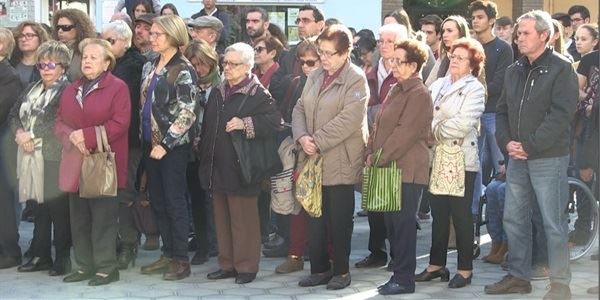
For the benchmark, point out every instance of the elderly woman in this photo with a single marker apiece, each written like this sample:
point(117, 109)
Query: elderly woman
point(330, 119)
point(31, 121)
point(458, 101)
point(401, 131)
point(206, 62)
point(71, 26)
point(169, 109)
point(128, 67)
point(266, 54)
point(97, 99)
point(240, 103)
point(28, 36)
point(10, 85)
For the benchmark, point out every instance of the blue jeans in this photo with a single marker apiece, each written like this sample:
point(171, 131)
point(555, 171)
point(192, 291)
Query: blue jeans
point(489, 156)
point(545, 181)
point(494, 210)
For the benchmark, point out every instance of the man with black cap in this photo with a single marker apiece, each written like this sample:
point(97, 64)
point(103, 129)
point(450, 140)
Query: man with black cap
point(143, 24)
point(210, 9)
point(208, 29)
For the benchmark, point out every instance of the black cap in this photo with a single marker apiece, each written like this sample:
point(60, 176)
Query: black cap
point(146, 18)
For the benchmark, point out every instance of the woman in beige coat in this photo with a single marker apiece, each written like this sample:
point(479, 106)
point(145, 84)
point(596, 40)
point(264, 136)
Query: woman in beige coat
point(330, 119)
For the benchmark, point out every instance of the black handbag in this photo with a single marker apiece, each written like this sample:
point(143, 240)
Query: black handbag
point(258, 157)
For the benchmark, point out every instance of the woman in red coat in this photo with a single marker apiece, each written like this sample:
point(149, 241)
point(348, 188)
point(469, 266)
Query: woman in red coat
point(98, 98)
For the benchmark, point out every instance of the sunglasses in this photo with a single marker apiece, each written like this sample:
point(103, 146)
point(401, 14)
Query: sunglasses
point(259, 49)
point(111, 41)
point(308, 62)
point(65, 28)
point(50, 66)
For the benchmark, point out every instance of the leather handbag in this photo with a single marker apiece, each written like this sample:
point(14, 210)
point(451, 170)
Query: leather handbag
point(258, 157)
point(143, 217)
point(382, 187)
point(98, 177)
point(448, 171)
point(309, 185)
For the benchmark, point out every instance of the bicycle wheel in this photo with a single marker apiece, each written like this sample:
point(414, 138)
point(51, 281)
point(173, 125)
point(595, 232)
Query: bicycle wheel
point(583, 219)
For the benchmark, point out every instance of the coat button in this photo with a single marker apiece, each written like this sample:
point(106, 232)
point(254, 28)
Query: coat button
point(455, 143)
point(437, 108)
point(472, 143)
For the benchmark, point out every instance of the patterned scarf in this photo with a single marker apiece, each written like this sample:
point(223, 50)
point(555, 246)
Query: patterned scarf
point(37, 99)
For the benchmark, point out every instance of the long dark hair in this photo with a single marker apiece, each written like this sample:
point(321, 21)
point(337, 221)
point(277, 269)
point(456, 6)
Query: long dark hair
point(170, 6)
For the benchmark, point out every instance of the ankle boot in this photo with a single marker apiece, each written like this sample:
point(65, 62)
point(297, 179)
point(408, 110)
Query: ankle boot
point(127, 255)
point(498, 257)
point(495, 247)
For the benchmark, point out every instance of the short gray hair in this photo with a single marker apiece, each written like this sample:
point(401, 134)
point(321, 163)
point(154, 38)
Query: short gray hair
point(543, 21)
point(8, 42)
point(245, 50)
point(399, 30)
point(122, 30)
point(55, 51)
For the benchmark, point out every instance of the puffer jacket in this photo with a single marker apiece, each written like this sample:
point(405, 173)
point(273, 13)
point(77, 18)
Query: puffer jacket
point(456, 116)
point(537, 105)
point(337, 120)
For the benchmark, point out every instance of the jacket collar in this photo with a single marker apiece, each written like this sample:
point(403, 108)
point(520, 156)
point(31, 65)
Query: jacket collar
point(171, 62)
point(249, 89)
point(320, 75)
point(523, 61)
point(461, 83)
point(409, 83)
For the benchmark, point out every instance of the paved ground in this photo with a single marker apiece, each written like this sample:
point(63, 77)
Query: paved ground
point(268, 285)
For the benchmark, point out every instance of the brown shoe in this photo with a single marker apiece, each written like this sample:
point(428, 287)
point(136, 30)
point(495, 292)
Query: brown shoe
point(558, 291)
point(152, 242)
point(509, 285)
point(498, 257)
point(293, 263)
point(158, 267)
point(177, 270)
point(493, 250)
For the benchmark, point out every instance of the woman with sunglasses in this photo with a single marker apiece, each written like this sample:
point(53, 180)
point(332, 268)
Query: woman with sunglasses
point(266, 54)
point(32, 121)
point(28, 37)
point(128, 68)
point(330, 119)
point(71, 26)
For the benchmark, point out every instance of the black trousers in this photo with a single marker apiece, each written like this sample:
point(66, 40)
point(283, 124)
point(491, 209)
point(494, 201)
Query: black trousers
point(128, 233)
point(53, 211)
point(402, 234)
point(202, 212)
point(9, 232)
point(94, 229)
point(377, 235)
point(336, 221)
point(167, 187)
point(442, 207)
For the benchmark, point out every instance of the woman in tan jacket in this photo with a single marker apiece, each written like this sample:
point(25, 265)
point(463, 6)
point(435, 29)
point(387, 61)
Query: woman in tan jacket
point(330, 119)
point(401, 130)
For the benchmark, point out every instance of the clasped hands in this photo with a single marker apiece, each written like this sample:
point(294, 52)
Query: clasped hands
point(308, 145)
point(23, 139)
point(515, 150)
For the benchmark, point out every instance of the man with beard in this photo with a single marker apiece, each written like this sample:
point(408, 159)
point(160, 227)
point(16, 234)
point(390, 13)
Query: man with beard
point(257, 24)
point(142, 35)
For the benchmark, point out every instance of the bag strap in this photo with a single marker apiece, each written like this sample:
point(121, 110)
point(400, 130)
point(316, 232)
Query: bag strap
point(242, 104)
point(99, 148)
point(105, 139)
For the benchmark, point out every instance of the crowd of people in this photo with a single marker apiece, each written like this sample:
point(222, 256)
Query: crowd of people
point(175, 98)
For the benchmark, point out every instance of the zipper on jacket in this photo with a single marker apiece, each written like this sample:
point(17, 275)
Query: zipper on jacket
point(214, 142)
point(523, 99)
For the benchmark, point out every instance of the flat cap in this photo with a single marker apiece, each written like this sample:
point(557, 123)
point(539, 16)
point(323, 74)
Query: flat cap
point(206, 21)
point(146, 18)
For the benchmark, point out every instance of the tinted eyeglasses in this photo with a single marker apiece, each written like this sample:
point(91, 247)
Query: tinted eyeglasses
point(308, 62)
point(50, 65)
point(259, 49)
point(65, 28)
point(111, 41)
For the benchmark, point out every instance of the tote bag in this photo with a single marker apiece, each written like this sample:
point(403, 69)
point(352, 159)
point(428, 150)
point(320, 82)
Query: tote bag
point(309, 186)
point(382, 187)
point(98, 177)
point(448, 171)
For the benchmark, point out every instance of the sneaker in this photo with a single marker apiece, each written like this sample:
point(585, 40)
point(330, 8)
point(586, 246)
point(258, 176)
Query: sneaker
point(508, 285)
point(558, 291)
point(540, 273)
point(291, 264)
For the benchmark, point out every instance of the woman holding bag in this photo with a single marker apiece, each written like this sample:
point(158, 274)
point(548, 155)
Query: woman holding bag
point(401, 130)
point(97, 99)
point(458, 102)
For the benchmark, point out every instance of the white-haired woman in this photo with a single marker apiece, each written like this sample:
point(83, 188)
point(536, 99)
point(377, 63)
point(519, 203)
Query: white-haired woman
point(235, 204)
point(129, 69)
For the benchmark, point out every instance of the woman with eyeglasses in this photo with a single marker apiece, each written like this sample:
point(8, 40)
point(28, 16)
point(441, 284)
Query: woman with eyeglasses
point(330, 119)
point(169, 108)
point(71, 26)
point(266, 54)
point(240, 105)
point(128, 67)
point(458, 102)
point(32, 121)
point(28, 37)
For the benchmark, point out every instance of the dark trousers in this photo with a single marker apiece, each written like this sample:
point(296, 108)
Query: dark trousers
point(337, 221)
point(402, 234)
point(238, 232)
point(442, 207)
point(9, 232)
point(167, 187)
point(94, 229)
point(424, 206)
point(128, 233)
point(377, 235)
point(53, 211)
point(202, 212)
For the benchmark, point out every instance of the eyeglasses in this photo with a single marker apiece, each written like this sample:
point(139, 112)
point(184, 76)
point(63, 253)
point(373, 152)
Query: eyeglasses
point(324, 53)
point(259, 49)
point(231, 64)
point(398, 62)
point(111, 41)
point(65, 28)
point(27, 36)
point(309, 62)
point(577, 20)
point(458, 57)
point(155, 34)
point(304, 21)
point(50, 65)
point(384, 42)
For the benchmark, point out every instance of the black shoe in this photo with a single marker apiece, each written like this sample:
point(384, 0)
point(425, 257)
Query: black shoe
point(371, 262)
point(274, 241)
point(60, 267)
point(36, 264)
point(242, 278)
point(281, 251)
point(362, 213)
point(316, 279)
point(459, 281)
point(390, 266)
point(392, 288)
point(127, 256)
point(443, 273)
point(221, 274)
point(101, 280)
point(29, 252)
point(7, 262)
point(199, 258)
point(193, 245)
point(77, 276)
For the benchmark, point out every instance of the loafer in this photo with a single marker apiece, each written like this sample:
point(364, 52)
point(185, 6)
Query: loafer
point(158, 267)
point(459, 281)
point(177, 270)
point(78, 276)
point(221, 274)
point(371, 262)
point(392, 288)
point(292, 264)
point(442, 273)
point(60, 267)
point(36, 264)
point(508, 285)
point(316, 279)
point(339, 282)
point(102, 280)
point(242, 278)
